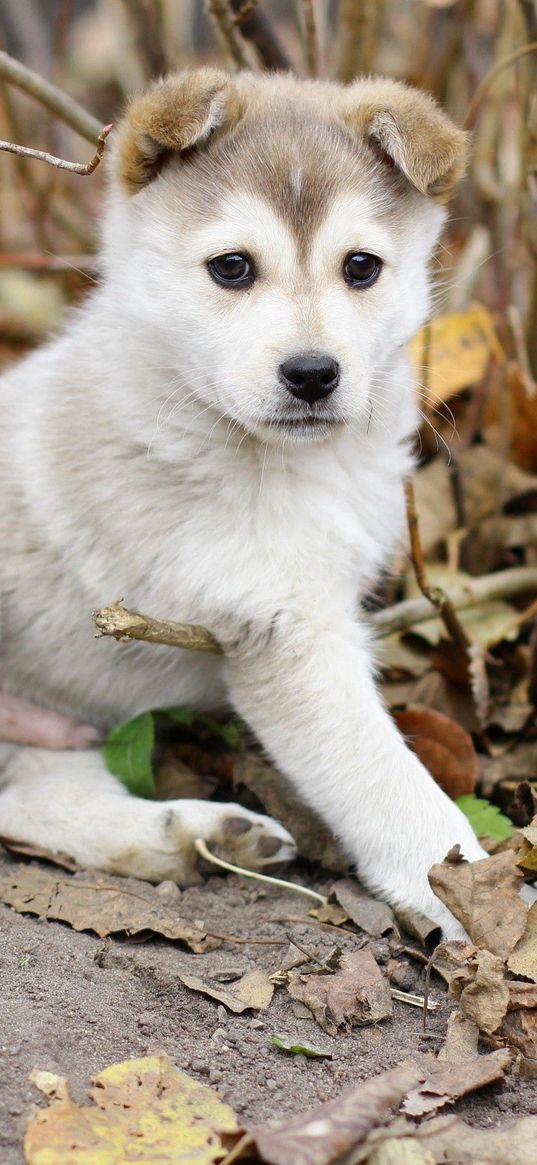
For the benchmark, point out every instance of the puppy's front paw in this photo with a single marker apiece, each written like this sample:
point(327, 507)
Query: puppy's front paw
point(232, 833)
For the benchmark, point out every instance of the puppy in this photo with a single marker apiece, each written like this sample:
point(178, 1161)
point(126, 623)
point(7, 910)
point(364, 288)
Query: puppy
point(222, 434)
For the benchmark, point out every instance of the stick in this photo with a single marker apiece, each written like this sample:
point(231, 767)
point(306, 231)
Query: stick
point(256, 27)
point(435, 595)
point(116, 620)
point(226, 29)
point(488, 80)
point(311, 38)
point(121, 623)
point(83, 168)
point(50, 96)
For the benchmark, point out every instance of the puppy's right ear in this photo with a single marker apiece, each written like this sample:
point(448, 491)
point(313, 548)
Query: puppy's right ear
point(175, 114)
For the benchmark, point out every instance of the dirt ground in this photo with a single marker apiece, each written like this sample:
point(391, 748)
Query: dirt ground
point(73, 1003)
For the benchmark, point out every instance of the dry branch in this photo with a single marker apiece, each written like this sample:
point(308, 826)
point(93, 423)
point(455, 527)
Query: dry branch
point(121, 623)
point(356, 37)
point(311, 38)
point(435, 595)
point(487, 81)
point(51, 97)
point(256, 27)
point(228, 34)
point(83, 168)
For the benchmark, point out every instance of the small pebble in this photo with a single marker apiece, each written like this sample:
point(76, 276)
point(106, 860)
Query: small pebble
point(258, 1024)
point(222, 1013)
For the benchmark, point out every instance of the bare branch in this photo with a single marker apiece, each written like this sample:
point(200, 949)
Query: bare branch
point(146, 21)
point(311, 38)
point(83, 168)
point(116, 620)
point(227, 32)
point(356, 37)
point(487, 81)
point(257, 28)
point(51, 97)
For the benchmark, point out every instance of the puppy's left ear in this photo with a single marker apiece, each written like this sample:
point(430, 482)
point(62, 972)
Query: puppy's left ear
point(410, 129)
point(174, 115)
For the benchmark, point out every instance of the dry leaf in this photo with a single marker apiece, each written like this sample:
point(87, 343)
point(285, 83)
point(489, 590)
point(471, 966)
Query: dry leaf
point(323, 1135)
point(356, 994)
point(462, 1036)
point(419, 926)
point(253, 991)
point(330, 912)
point(446, 1081)
point(104, 905)
point(522, 994)
point(145, 1110)
point(450, 1141)
point(523, 960)
point(484, 897)
point(527, 858)
point(451, 958)
point(486, 998)
point(374, 917)
point(445, 749)
point(519, 1028)
point(459, 346)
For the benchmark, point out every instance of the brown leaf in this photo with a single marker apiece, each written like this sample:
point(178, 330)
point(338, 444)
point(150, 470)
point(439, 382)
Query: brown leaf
point(484, 897)
point(370, 915)
point(447, 1140)
point(323, 1135)
point(443, 746)
point(519, 1028)
point(521, 994)
point(419, 926)
point(523, 960)
point(486, 998)
point(527, 858)
point(462, 1036)
point(451, 959)
point(356, 994)
point(104, 905)
point(446, 1081)
point(254, 991)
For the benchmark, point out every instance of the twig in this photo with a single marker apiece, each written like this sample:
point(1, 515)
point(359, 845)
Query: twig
point(310, 955)
point(517, 332)
point(356, 37)
point(311, 38)
point(146, 22)
point(50, 96)
point(491, 77)
point(434, 594)
point(116, 620)
point(119, 622)
point(83, 168)
point(209, 857)
point(257, 28)
point(238, 938)
point(414, 1000)
point(226, 29)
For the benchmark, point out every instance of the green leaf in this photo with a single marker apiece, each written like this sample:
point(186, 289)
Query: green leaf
point(485, 818)
point(127, 754)
point(179, 715)
point(231, 732)
point(287, 1045)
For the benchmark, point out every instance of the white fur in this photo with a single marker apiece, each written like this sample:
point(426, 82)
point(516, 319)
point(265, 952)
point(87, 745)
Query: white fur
point(142, 461)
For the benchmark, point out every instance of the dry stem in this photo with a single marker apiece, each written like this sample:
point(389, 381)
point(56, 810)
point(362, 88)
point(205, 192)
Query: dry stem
point(226, 29)
point(257, 28)
point(434, 594)
point(83, 168)
point(487, 81)
point(50, 96)
point(311, 38)
point(117, 621)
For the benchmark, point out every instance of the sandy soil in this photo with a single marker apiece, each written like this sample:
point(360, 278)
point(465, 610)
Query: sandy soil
point(73, 1003)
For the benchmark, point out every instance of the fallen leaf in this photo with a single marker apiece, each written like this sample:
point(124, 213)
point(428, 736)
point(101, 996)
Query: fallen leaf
point(285, 1044)
point(451, 958)
point(144, 1110)
point(252, 992)
point(486, 819)
point(458, 347)
point(330, 912)
point(486, 998)
point(523, 960)
point(519, 1028)
point(448, 1140)
point(401, 1152)
point(356, 994)
point(462, 1036)
point(483, 895)
point(527, 858)
point(446, 1081)
point(445, 749)
point(323, 1135)
point(419, 926)
point(370, 915)
point(105, 906)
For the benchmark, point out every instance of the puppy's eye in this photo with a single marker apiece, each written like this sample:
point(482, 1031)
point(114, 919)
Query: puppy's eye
point(361, 269)
point(233, 270)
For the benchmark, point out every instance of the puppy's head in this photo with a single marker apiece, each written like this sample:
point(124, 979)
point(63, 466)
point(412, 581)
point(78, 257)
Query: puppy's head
point(277, 235)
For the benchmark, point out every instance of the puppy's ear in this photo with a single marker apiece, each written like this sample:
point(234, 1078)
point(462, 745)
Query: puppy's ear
point(411, 130)
point(175, 114)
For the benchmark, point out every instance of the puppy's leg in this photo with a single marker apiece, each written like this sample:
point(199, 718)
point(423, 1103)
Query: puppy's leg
point(308, 693)
point(70, 803)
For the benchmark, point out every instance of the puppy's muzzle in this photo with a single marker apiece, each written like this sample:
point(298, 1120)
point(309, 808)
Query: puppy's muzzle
point(310, 377)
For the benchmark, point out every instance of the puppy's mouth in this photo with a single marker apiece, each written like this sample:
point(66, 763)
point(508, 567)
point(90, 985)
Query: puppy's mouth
point(314, 421)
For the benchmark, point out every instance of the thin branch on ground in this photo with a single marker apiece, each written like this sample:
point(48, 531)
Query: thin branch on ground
point(228, 34)
point(51, 97)
point(257, 28)
point(436, 595)
point(83, 168)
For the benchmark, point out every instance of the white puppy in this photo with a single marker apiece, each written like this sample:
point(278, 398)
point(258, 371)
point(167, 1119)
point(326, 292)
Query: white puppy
point(221, 435)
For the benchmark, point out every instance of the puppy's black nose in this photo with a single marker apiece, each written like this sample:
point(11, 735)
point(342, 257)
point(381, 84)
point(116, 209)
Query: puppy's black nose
point(310, 377)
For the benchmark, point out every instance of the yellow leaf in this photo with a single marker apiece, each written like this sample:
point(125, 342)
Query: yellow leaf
point(145, 1110)
point(455, 349)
